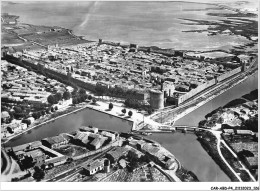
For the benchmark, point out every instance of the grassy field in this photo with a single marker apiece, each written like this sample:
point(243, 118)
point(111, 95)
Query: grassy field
point(9, 38)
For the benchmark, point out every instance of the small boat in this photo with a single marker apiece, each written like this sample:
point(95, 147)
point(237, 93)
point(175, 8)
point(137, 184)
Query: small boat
point(146, 133)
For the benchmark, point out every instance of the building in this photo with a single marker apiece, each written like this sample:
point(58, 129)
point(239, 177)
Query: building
point(94, 167)
point(56, 160)
point(182, 88)
point(23, 126)
point(31, 119)
point(168, 88)
point(55, 142)
point(116, 153)
point(244, 132)
point(245, 59)
point(170, 163)
point(3, 132)
point(251, 162)
point(97, 143)
point(37, 156)
point(228, 131)
point(159, 156)
point(109, 135)
point(5, 116)
point(81, 138)
point(26, 147)
point(91, 129)
point(122, 163)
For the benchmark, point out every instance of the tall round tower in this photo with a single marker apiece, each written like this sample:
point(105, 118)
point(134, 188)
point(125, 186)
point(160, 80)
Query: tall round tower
point(107, 166)
point(156, 99)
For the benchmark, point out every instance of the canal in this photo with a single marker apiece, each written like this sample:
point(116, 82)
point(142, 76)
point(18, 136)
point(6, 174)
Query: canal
point(71, 123)
point(193, 118)
point(184, 146)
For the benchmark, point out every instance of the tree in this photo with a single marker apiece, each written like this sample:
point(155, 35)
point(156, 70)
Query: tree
point(38, 173)
point(85, 96)
point(82, 91)
point(133, 161)
point(251, 124)
point(39, 114)
point(78, 100)
point(48, 111)
point(51, 99)
point(150, 111)
point(66, 95)
point(42, 112)
point(43, 167)
point(100, 90)
point(94, 100)
point(130, 113)
point(27, 162)
point(132, 156)
point(10, 130)
point(82, 98)
point(74, 92)
point(74, 101)
point(56, 107)
point(220, 120)
point(90, 97)
point(26, 121)
point(17, 109)
point(52, 109)
point(110, 106)
point(69, 160)
point(123, 111)
point(35, 115)
point(58, 96)
point(19, 115)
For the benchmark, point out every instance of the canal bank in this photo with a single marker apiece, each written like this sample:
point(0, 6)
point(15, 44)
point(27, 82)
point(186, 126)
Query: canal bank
point(41, 124)
point(194, 117)
point(72, 122)
point(193, 108)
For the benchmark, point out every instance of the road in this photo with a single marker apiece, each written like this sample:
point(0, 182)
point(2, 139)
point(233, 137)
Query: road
point(217, 135)
point(220, 140)
point(5, 163)
point(240, 162)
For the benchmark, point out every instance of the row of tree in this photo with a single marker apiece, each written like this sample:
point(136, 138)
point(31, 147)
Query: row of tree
point(38, 114)
point(110, 107)
point(54, 99)
point(133, 103)
point(82, 98)
point(117, 91)
point(35, 115)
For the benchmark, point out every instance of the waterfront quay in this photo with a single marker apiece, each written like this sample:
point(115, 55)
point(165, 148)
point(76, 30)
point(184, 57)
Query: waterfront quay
point(91, 154)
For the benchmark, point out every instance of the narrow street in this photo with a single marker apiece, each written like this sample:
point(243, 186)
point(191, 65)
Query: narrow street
point(217, 135)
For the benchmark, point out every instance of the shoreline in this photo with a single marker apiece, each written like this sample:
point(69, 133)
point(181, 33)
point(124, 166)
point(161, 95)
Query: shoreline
point(43, 123)
point(63, 115)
